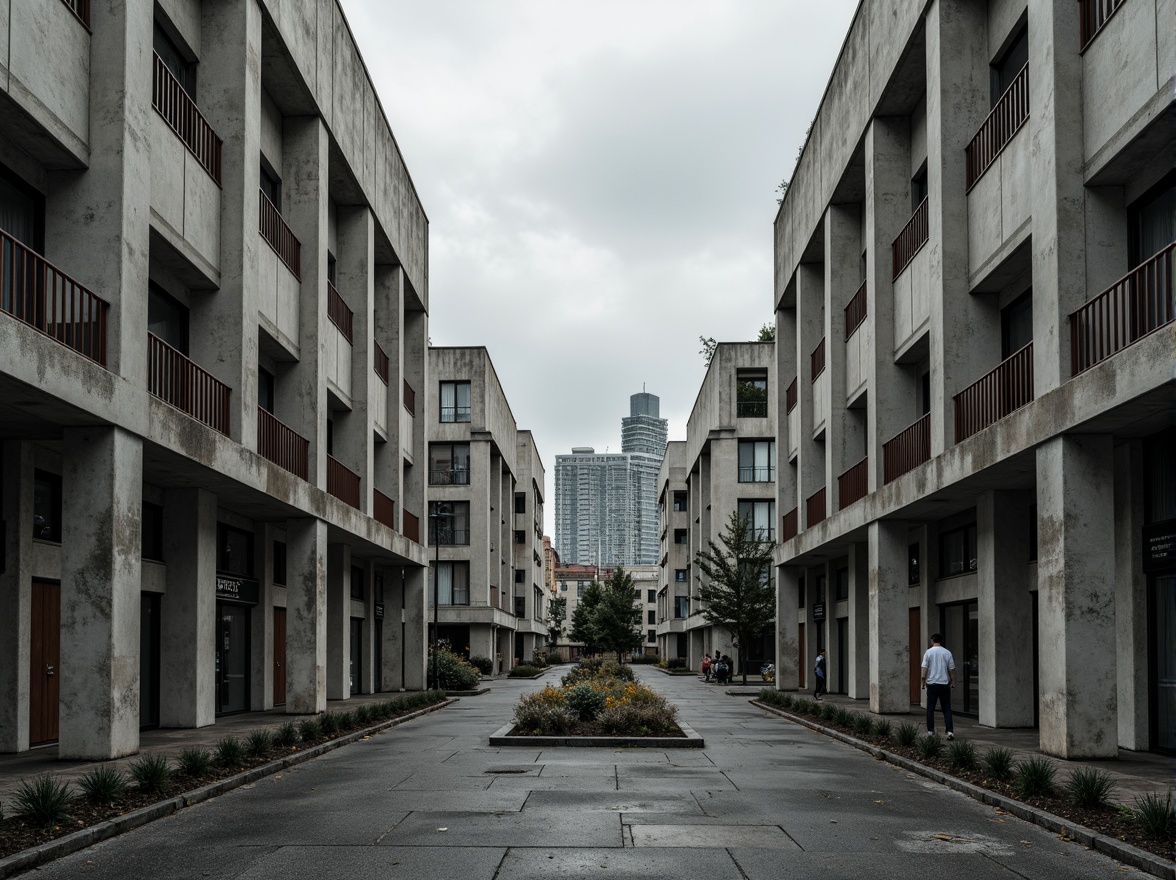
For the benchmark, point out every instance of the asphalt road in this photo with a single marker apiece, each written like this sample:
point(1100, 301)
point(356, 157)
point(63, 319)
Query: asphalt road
point(430, 799)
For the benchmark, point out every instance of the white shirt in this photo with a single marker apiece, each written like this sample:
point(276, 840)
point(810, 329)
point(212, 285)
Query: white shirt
point(937, 661)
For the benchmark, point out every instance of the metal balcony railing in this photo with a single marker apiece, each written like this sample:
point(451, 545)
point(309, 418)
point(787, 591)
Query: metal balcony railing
point(80, 8)
point(790, 397)
point(342, 482)
point(790, 525)
point(757, 474)
point(339, 312)
point(1135, 305)
point(37, 293)
point(911, 240)
point(1093, 14)
point(993, 396)
point(282, 445)
point(449, 477)
point(855, 312)
point(854, 484)
point(383, 509)
point(814, 508)
point(278, 235)
point(177, 381)
point(907, 449)
point(409, 399)
point(380, 363)
point(751, 409)
point(412, 526)
point(1004, 121)
point(817, 359)
point(448, 537)
point(180, 112)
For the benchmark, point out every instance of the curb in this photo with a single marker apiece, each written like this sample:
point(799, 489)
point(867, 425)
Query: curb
point(692, 740)
point(70, 843)
point(476, 693)
point(1155, 865)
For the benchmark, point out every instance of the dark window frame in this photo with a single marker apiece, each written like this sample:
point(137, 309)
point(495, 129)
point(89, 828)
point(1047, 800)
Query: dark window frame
point(151, 532)
point(457, 414)
point(223, 562)
point(967, 564)
point(49, 529)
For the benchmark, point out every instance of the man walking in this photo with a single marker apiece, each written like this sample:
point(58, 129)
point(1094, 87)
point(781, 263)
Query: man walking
point(938, 680)
point(819, 669)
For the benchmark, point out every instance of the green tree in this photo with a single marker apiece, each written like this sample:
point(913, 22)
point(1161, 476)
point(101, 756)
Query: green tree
point(617, 619)
point(708, 348)
point(584, 618)
point(557, 615)
point(737, 592)
point(767, 333)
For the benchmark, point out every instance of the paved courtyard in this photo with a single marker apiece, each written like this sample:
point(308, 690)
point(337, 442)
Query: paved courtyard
point(430, 799)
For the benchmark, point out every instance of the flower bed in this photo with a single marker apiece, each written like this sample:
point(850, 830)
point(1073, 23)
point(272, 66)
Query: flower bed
point(1083, 798)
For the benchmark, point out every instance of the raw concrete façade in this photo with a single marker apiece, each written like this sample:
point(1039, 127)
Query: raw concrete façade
point(975, 351)
point(213, 328)
point(486, 484)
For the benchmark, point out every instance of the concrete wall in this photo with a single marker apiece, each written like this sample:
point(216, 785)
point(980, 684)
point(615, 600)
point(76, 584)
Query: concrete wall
point(998, 205)
point(912, 301)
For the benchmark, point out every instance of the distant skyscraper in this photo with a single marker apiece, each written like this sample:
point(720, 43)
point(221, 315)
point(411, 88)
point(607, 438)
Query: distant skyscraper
point(606, 503)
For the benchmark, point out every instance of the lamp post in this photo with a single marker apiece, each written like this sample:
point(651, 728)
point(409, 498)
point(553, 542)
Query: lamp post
point(435, 517)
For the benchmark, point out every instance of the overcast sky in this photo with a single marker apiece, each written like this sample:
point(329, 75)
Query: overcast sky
point(600, 182)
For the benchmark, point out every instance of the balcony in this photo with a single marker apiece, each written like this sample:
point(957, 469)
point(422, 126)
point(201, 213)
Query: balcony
point(855, 312)
point(380, 363)
point(448, 537)
point(409, 399)
point(790, 525)
point(180, 112)
point(814, 508)
point(854, 484)
point(80, 8)
point(911, 240)
point(1005, 120)
point(340, 313)
point(790, 397)
point(1134, 306)
point(278, 235)
point(907, 450)
point(751, 409)
point(1093, 14)
point(282, 445)
point(178, 382)
point(817, 359)
point(38, 294)
point(992, 397)
point(342, 482)
point(383, 509)
point(449, 477)
point(411, 526)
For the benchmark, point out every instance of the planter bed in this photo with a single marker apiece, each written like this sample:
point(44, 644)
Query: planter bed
point(687, 739)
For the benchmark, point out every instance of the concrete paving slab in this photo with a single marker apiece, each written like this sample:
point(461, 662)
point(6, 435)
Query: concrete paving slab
point(711, 835)
point(122, 858)
point(572, 828)
point(613, 864)
point(768, 865)
point(614, 802)
point(494, 800)
point(378, 863)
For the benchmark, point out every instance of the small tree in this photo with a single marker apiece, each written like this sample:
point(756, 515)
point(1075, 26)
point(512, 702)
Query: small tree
point(584, 618)
point(708, 348)
point(618, 616)
point(767, 333)
point(737, 593)
point(557, 614)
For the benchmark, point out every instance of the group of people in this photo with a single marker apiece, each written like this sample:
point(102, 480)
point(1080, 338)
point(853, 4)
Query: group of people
point(720, 667)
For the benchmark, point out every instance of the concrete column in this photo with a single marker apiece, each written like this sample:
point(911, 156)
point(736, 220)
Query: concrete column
point(922, 594)
point(965, 332)
point(1131, 614)
point(1076, 596)
point(96, 223)
point(893, 391)
point(338, 621)
point(810, 326)
point(415, 368)
point(306, 616)
point(844, 439)
point(371, 675)
point(187, 691)
point(787, 597)
point(16, 583)
point(1056, 179)
point(102, 491)
point(355, 261)
point(889, 651)
point(858, 653)
point(1006, 609)
point(415, 631)
point(261, 622)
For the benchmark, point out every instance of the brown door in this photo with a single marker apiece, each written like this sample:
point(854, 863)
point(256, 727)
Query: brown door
point(916, 642)
point(801, 663)
point(279, 656)
point(44, 662)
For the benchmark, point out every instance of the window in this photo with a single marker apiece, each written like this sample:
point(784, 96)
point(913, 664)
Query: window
point(520, 536)
point(332, 268)
point(563, 588)
point(378, 588)
point(681, 505)
point(679, 575)
point(152, 532)
point(280, 563)
point(1005, 70)
point(580, 589)
point(751, 394)
point(651, 596)
point(919, 187)
point(520, 502)
point(453, 583)
point(449, 523)
point(679, 536)
point(520, 575)
point(1032, 532)
point(181, 68)
point(761, 516)
point(449, 464)
point(22, 212)
point(681, 606)
point(651, 636)
point(455, 401)
point(167, 318)
point(46, 506)
point(271, 184)
point(652, 615)
point(757, 461)
point(265, 390)
point(957, 551)
point(913, 576)
point(234, 551)
point(925, 393)
point(1016, 325)
point(520, 605)
point(1152, 220)
point(842, 584)
point(357, 590)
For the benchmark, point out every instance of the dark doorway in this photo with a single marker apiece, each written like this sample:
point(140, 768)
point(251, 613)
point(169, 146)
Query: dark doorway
point(915, 637)
point(843, 655)
point(961, 635)
point(148, 660)
point(1164, 696)
point(232, 658)
point(44, 662)
point(356, 682)
point(801, 661)
point(279, 672)
point(378, 687)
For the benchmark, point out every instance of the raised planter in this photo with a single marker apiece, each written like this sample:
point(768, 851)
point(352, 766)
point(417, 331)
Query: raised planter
point(692, 740)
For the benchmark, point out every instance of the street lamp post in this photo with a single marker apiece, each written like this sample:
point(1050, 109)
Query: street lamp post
point(435, 517)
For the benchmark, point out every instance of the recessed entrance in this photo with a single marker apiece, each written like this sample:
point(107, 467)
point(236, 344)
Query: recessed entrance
point(44, 662)
point(232, 658)
point(279, 671)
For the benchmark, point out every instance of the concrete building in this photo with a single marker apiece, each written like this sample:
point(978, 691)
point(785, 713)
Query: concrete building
point(674, 561)
point(214, 316)
point(485, 514)
point(571, 581)
point(974, 309)
point(645, 588)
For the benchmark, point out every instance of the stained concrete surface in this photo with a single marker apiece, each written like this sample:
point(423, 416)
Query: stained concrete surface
point(765, 799)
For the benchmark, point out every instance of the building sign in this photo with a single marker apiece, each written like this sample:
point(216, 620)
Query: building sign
point(231, 588)
point(379, 611)
point(1159, 546)
point(818, 611)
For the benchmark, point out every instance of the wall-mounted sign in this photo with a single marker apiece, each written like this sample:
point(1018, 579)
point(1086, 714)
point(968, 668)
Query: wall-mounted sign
point(818, 611)
point(379, 611)
point(232, 588)
point(1159, 545)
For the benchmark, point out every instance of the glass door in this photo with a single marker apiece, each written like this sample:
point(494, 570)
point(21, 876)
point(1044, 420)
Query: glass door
point(148, 660)
point(960, 626)
point(232, 658)
point(1165, 654)
point(356, 654)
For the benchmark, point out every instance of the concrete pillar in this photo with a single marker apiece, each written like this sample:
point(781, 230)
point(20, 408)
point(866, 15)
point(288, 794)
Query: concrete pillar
point(261, 622)
point(858, 653)
point(965, 332)
point(1006, 609)
point(810, 327)
point(1076, 596)
point(415, 631)
point(355, 261)
point(1131, 614)
point(16, 583)
point(845, 441)
point(338, 621)
point(187, 685)
point(306, 616)
point(787, 597)
point(102, 491)
point(921, 595)
point(414, 368)
point(387, 320)
point(1056, 178)
point(893, 390)
point(889, 651)
point(370, 678)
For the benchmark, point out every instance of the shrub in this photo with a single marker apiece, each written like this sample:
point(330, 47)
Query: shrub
point(883, 728)
point(863, 724)
point(544, 712)
point(961, 755)
point(651, 659)
point(930, 747)
point(585, 701)
point(998, 763)
point(906, 734)
point(229, 752)
point(828, 711)
point(328, 724)
point(286, 735)
point(45, 800)
point(258, 744)
point(151, 773)
point(1156, 816)
point(1035, 777)
point(309, 730)
point(103, 786)
point(451, 671)
point(676, 663)
point(523, 671)
point(843, 717)
point(638, 719)
point(484, 665)
point(364, 716)
point(594, 667)
point(1090, 788)
point(344, 720)
point(194, 762)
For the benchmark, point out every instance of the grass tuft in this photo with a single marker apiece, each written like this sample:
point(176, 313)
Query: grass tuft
point(103, 786)
point(195, 762)
point(151, 773)
point(44, 800)
point(1035, 777)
